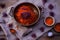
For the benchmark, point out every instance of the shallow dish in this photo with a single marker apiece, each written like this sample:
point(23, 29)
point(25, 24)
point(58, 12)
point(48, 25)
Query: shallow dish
point(49, 21)
point(26, 14)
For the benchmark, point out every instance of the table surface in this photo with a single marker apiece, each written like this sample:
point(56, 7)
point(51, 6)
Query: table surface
point(43, 37)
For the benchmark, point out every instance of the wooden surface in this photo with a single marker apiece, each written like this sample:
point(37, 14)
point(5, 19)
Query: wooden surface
point(43, 37)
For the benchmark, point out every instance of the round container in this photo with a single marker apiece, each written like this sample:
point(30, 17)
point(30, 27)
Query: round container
point(57, 27)
point(26, 14)
point(12, 31)
point(49, 21)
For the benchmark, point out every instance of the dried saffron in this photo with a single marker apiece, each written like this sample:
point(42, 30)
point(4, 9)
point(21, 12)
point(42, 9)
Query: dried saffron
point(49, 21)
point(57, 27)
point(12, 31)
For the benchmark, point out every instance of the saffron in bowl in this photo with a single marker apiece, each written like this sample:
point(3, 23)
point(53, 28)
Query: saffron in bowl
point(12, 31)
point(57, 27)
point(49, 21)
